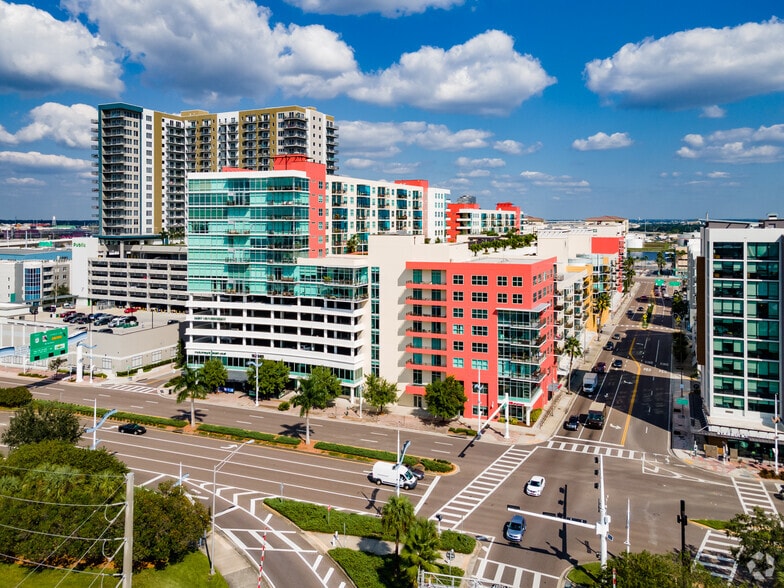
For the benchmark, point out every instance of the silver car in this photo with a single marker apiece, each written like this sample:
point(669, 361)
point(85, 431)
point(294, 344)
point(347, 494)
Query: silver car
point(515, 529)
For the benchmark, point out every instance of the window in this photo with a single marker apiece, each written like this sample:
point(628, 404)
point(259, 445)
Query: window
point(457, 362)
point(502, 298)
point(480, 364)
point(479, 331)
point(457, 313)
point(517, 298)
point(478, 313)
point(479, 347)
point(479, 280)
point(457, 296)
point(517, 281)
point(457, 345)
point(457, 279)
point(457, 329)
point(478, 296)
point(501, 280)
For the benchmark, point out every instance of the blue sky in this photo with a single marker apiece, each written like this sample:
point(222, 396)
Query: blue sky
point(566, 108)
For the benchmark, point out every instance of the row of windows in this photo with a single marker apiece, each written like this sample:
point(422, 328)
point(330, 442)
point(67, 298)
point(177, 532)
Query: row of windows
point(517, 281)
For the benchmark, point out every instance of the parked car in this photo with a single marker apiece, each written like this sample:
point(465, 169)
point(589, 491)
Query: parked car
point(69, 305)
point(131, 309)
point(573, 423)
point(618, 363)
point(67, 313)
point(515, 529)
point(639, 309)
point(132, 428)
point(535, 486)
point(616, 337)
point(74, 317)
point(608, 346)
point(104, 320)
point(105, 331)
point(50, 308)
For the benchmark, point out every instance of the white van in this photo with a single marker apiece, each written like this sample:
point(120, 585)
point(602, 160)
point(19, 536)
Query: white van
point(390, 473)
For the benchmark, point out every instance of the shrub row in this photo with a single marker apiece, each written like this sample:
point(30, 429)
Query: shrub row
point(320, 519)
point(246, 434)
point(462, 431)
point(118, 416)
point(433, 465)
point(15, 397)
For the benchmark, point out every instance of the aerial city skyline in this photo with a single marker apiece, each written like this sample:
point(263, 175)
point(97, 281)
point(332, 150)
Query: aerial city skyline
point(568, 111)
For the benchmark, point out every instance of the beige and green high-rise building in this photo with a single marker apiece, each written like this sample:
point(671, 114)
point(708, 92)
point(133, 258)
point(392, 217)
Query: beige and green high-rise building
point(142, 157)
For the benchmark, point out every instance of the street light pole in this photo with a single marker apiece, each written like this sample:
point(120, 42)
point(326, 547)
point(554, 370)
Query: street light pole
point(776, 420)
point(479, 404)
point(215, 469)
point(255, 365)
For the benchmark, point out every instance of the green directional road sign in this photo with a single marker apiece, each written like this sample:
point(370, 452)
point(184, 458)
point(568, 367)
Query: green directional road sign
point(682, 401)
point(659, 283)
point(46, 344)
point(675, 283)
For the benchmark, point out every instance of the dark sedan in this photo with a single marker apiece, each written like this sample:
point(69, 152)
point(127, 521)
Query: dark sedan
point(132, 428)
point(573, 423)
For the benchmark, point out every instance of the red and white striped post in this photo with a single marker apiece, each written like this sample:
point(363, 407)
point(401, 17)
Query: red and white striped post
point(261, 561)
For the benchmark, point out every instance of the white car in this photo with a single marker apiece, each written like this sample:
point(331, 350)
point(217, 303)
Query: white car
point(535, 486)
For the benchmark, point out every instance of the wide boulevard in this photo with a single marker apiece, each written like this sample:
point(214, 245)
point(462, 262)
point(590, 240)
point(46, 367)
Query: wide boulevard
point(644, 482)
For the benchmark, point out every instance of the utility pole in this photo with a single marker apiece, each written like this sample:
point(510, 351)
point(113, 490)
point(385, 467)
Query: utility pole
point(776, 420)
point(603, 525)
point(683, 520)
point(127, 568)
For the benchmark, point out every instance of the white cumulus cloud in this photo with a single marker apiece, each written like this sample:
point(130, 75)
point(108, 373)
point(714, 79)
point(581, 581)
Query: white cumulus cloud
point(741, 145)
point(481, 162)
point(43, 161)
point(388, 136)
point(40, 54)
point(223, 49)
point(516, 148)
point(24, 182)
point(713, 111)
point(485, 75)
point(67, 125)
point(561, 183)
point(389, 8)
point(602, 141)
point(695, 68)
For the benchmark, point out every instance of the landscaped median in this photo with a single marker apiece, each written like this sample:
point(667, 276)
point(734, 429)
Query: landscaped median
point(366, 570)
point(438, 466)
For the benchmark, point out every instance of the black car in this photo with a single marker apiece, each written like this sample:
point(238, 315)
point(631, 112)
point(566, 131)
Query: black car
point(132, 428)
point(573, 423)
point(418, 470)
point(608, 346)
point(618, 363)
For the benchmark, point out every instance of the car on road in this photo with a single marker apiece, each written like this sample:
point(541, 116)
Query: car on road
point(616, 337)
point(608, 346)
point(418, 471)
point(132, 428)
point(515, 529)
point(107, 330)
point(572, 423)
point(618, 363)
point(599, 368)
point(639, 309)
point(535, 486)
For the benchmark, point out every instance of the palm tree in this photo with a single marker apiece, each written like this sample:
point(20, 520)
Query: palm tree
point(660, 261)
point(628, 274)
point(396, 518)
point(421, 548)
point(187, 385)
point(572, 348)
point(601, 305)
point(316, 392)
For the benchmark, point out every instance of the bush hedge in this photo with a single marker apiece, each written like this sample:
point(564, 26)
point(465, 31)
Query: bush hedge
point(316, 518)
point(284, 406)
point(118, 416)
point(462, 431)
point(246, 434)
point(15, 397)
point(433, 465)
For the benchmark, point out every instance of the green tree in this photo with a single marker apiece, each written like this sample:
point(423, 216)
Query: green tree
point(644, 569)
point(420, 549)
point(272, 377)
point(166, 525)
point(379, 392)
point(189, 386)
point(445, 398)
point(661, 261)
point(213, 374)
point(181, 356)
point(44, 423)
point(680, 347)
point(601, 305)
point(759, 533)
point(316, 391)
point(56, 363)
point(628, 274)
point(397, 516)
point(572, 348)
